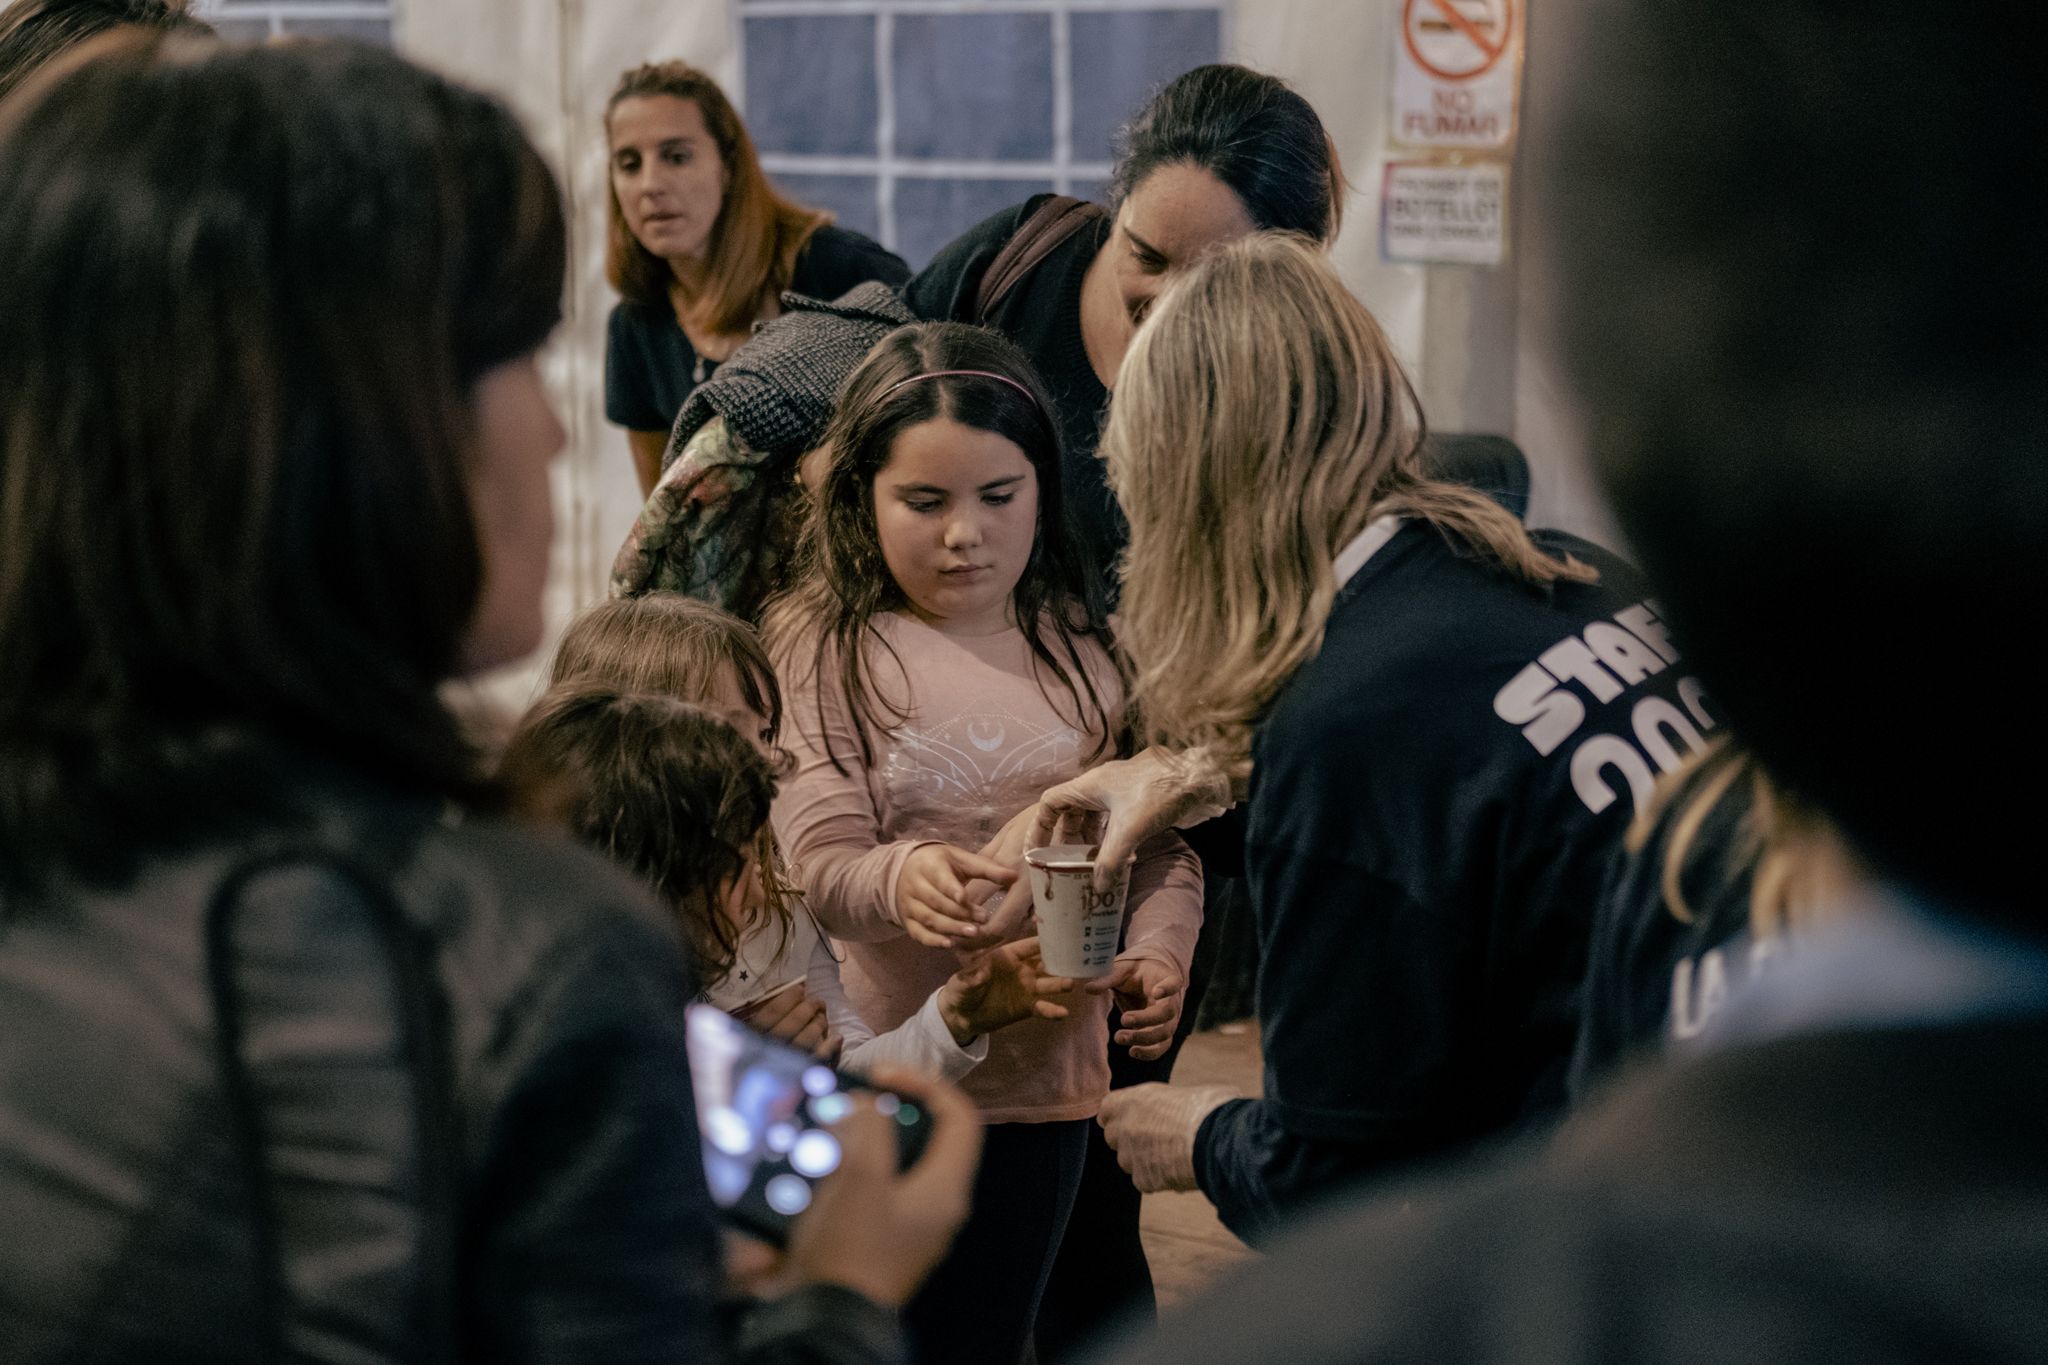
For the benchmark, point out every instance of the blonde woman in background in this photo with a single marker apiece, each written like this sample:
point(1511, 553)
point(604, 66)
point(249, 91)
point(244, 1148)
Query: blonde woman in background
point(1440, 722)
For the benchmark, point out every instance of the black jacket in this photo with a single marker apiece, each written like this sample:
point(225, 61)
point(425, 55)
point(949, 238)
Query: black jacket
point(578, 1221)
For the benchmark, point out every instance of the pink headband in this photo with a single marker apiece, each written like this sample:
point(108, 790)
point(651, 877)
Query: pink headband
point(969, 374)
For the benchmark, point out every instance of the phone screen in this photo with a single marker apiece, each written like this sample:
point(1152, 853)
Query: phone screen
point(764, 1111)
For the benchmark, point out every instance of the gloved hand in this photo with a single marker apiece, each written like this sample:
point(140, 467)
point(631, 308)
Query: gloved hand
point(1153, 1127)
point(1132, 799)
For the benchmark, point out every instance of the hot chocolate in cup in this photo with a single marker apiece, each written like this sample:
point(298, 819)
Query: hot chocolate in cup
point(1078, 926)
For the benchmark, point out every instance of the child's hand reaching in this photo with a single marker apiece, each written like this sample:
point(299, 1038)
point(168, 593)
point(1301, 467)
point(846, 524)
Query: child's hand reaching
point(1000, 988)
point(932, 899)
point(1008, 847)
point(792, 1016)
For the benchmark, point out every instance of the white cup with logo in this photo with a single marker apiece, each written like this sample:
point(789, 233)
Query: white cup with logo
point(1078, 926)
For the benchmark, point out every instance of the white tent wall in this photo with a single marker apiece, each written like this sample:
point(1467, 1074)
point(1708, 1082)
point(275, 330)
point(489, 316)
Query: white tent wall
point(555, 62)
point(1541, 415)
point(1464, 333)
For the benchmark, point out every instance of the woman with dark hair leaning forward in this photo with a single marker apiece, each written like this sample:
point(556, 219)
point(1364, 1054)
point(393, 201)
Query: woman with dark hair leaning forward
point(305, 1054)
point(1440, 722)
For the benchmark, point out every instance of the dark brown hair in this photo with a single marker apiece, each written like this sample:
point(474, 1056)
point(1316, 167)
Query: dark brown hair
point(1250, 131)
point(842, 580)
point(665, 787)
point(245, 297)
point(754, 244)
point(32, 32)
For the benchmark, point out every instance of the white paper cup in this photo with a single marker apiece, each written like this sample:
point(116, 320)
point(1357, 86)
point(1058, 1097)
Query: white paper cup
point(1078, 927)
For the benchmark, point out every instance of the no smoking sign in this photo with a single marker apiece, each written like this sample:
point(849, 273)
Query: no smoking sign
point(1457, 40)
point(1457, 74)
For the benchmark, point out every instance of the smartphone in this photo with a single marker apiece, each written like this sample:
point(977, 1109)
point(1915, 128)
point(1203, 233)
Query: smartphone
point(764, 1113)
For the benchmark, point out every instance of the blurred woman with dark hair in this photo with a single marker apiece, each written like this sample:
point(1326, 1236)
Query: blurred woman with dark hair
point(700, 248)
point(306, 1055)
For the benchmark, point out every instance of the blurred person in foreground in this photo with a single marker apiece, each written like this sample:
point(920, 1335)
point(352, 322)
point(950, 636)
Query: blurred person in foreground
point(305, 1056)
point(1803, 298)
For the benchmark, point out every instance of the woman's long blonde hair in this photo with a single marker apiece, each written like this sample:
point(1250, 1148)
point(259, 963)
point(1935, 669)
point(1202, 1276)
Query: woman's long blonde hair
point(1260, 421)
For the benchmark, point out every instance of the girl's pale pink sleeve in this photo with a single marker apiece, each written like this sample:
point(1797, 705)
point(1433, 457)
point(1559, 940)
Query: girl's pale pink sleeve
point(1166, 903)
point(828, 825)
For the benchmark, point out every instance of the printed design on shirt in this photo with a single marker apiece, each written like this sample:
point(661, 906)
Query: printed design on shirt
point(962, 779)
point(1607, 659)
point(1700, 986)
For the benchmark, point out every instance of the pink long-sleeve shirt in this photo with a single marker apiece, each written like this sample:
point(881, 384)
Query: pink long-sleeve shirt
point(980, 742)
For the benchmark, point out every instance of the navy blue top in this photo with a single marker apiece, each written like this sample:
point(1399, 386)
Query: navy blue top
point(1434, 801)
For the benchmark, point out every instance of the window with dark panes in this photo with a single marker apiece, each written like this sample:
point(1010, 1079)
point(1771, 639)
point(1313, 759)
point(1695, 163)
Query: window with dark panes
point(914, 119)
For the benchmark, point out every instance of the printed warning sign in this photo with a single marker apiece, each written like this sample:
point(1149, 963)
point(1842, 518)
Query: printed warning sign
point(1458, 74)
point(1444, 213)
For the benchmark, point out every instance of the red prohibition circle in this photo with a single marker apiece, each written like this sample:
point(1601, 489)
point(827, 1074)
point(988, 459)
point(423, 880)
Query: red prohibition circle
point(1450, 11)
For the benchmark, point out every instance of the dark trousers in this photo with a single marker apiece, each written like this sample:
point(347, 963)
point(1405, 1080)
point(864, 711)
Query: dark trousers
point(1101, 1275)
point(979, 1305)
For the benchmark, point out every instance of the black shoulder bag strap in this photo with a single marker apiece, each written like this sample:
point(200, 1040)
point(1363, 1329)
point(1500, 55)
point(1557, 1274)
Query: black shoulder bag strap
point(1051, 223)
point(426, 1039)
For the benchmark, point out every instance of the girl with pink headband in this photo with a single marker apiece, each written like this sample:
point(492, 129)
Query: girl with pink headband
point(945, 660)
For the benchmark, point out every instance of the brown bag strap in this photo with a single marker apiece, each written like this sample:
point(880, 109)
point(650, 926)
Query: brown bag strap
point(1051, 223)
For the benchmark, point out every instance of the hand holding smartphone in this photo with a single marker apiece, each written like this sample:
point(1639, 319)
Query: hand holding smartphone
point(766, 1113)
